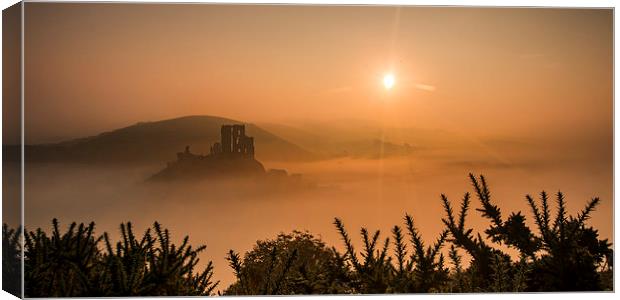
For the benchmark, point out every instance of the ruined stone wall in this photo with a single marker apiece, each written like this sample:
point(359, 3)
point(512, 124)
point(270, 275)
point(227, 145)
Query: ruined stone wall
point(226, 138)
point(234, 140)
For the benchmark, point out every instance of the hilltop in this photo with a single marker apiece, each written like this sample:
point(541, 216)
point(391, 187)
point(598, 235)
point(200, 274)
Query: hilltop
point(157, 142)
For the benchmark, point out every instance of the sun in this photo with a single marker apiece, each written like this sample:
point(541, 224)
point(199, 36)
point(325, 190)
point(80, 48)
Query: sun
point(388, 81)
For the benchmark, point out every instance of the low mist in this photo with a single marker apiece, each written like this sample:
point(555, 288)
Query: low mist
point(233, 214)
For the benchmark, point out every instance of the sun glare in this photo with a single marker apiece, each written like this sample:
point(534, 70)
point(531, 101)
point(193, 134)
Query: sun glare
point(389, 81)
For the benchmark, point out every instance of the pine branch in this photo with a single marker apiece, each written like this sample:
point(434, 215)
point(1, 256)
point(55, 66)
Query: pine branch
point(560, 218)
point(416, 240)
point(401, 250)
point(585, 213)
point(538, 218)
point(463, 213)
point(488, 210)
point(456, 259)
point(347, 241)
point(545, 210)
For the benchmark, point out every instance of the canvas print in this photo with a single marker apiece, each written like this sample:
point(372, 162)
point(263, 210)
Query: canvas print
point(216, 150)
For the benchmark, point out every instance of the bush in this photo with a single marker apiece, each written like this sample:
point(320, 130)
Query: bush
point(296, 263)
point(11, 260)
point(562, 254)
point(565, 255)
point(70, 264)
point(422, 271)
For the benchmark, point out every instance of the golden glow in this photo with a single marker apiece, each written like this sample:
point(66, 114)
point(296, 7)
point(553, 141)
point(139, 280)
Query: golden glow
point(388, 81)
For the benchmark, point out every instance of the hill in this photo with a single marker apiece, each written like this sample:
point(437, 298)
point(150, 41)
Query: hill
point(159, 142)
point(349, 138)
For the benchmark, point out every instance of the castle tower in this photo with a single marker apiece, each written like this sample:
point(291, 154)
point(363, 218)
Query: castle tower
point(238, 134)
point(249, 146)
point(234, 140)
point(226, 139)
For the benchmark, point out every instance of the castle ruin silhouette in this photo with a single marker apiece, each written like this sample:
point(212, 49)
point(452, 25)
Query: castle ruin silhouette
point(234, 142)
point(232, 155)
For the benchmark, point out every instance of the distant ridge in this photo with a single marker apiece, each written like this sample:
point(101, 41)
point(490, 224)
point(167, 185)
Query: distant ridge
point(157, 142)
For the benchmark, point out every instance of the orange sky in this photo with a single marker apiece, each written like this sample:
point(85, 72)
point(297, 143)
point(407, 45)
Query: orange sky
point(481, 80)
point(96, 67)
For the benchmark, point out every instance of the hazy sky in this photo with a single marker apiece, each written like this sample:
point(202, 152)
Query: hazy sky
point(502, 73)
point(96, 67)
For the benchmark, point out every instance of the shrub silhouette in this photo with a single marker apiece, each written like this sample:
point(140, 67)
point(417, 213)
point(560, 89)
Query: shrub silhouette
point(296, 263)
point(565, 256)
point(11, 260)
point(422, 271)
point(71, 264)
point(563, 253)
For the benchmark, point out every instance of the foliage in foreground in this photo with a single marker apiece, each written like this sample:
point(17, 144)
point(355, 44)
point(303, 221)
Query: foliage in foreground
point(296, 263)
point(71, 264)
point(564, 255)
point(561, 254)
point(11, 264)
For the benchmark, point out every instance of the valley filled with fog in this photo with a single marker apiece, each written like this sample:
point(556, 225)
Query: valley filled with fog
point(234, 213)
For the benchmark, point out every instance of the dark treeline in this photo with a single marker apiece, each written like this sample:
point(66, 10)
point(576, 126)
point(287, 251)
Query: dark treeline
point(561, 254)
